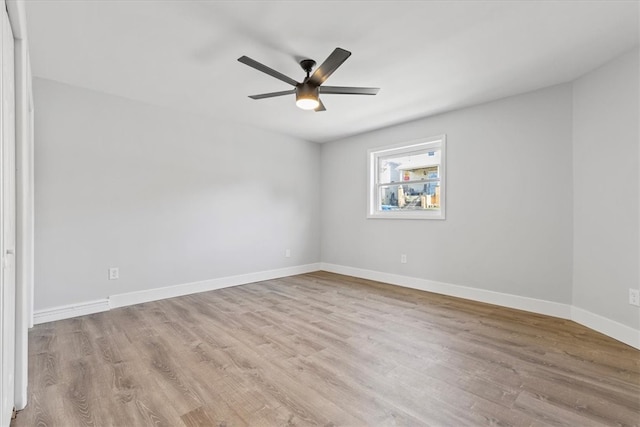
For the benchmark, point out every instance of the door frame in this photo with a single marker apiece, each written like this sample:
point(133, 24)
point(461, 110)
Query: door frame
point(8, 222)
point(24, 197)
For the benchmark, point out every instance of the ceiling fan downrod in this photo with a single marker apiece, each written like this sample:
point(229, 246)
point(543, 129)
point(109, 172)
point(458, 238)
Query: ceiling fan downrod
point(307, 65)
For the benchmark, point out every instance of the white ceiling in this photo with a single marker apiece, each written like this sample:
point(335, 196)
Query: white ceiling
point(427, 57)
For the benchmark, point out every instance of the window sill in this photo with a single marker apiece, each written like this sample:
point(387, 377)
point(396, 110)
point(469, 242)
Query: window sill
point(406, 215)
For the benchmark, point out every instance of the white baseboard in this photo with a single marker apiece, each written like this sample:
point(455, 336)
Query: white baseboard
point(608, 327)
point(482, 295)
point(69, 311)
point(611, 328)
point(131, 298)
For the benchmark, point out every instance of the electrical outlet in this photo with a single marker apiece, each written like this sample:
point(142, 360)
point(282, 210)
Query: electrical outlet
point(634, 296)
point(403, 258)
point(114, 273)
point(287, 253)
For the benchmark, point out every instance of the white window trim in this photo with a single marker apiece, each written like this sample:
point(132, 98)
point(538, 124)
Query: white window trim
point(373, 154)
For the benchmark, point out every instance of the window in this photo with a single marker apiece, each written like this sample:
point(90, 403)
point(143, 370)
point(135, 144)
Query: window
point(408, 180)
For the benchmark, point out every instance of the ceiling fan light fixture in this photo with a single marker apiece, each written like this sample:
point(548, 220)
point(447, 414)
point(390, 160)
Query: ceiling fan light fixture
point(307, 97)
point(307, 103)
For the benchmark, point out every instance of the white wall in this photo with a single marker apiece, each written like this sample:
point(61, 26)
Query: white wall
point(606, 194)
point(509, 200)
point(168, 198)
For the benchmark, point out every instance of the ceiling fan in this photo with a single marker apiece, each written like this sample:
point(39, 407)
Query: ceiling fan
point(309, 90)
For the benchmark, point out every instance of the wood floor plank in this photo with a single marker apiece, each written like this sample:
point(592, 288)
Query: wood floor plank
point(197, 418)
point(330, 350)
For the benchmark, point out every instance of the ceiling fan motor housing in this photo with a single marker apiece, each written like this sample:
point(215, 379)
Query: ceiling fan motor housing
point(307, 95)
point(306, 90)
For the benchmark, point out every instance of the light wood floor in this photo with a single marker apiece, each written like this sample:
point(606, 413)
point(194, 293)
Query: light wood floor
point(330, 350)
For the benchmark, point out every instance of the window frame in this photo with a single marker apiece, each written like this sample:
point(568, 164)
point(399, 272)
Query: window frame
point(416, 146)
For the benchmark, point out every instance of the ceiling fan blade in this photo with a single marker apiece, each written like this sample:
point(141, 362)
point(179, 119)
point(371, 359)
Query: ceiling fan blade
point(346, 90)
point(322, 73)
point(261, 67)
point(272, 94)
point(320, 106)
